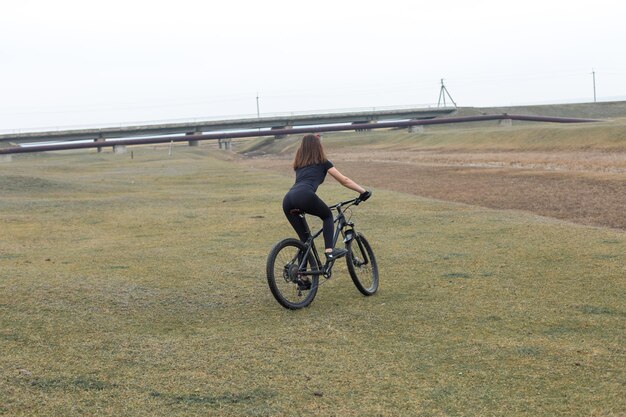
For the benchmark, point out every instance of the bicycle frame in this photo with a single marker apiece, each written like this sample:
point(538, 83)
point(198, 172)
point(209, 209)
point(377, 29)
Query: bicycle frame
point(340, 221)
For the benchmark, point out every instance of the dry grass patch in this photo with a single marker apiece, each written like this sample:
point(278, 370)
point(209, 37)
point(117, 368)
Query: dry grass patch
point(573, 172)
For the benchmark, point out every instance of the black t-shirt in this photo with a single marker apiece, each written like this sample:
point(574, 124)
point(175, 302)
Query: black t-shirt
point(312, 175)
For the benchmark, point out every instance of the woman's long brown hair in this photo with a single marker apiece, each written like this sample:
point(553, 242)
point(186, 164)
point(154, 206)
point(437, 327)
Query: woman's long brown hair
point(310, 152)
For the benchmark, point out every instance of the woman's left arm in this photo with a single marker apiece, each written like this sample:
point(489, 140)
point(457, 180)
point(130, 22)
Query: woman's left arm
point(345, 181)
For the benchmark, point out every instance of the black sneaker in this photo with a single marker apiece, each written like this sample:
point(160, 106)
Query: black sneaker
point(336, 254)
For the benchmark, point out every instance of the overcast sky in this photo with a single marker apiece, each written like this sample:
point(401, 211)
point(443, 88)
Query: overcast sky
point(68, 62)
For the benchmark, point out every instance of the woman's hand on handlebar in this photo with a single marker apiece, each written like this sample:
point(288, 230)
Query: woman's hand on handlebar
point(364, 196)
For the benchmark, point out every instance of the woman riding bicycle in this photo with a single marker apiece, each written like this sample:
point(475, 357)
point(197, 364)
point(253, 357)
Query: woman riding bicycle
point(311, 166)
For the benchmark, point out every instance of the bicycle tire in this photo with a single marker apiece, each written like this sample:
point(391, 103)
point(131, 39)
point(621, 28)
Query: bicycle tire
point(282, 274)
point(362, 265)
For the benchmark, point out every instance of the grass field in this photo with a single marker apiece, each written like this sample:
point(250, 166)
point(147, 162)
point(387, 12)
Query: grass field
point(136, 287)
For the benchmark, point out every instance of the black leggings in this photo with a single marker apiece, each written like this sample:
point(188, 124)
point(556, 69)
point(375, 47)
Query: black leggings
point(307, 201)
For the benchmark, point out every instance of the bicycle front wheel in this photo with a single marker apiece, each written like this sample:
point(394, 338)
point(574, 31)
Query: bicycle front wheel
point(362, 265)
point(289, 286)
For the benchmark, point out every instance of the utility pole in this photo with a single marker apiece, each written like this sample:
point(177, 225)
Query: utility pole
point(442, 95)
point(593, 73)
point(258, 113)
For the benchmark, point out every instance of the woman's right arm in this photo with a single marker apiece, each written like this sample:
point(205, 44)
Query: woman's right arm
point(345, 181)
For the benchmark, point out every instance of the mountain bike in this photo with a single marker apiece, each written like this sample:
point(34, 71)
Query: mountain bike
point(294, 267)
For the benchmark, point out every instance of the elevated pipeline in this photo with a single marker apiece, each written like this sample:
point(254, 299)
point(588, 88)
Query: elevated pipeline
point(289, 131)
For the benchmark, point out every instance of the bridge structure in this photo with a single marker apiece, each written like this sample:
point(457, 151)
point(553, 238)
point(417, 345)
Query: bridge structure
point(224, 138)
point(278, 123)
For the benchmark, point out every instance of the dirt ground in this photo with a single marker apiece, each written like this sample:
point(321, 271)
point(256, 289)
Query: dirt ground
point(586, 187)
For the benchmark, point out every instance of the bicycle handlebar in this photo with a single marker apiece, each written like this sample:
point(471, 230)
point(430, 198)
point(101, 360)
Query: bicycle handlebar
point(354, 201)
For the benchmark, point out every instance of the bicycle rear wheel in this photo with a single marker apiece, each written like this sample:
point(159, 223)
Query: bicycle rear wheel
point(362, 265)
point(288, 285)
